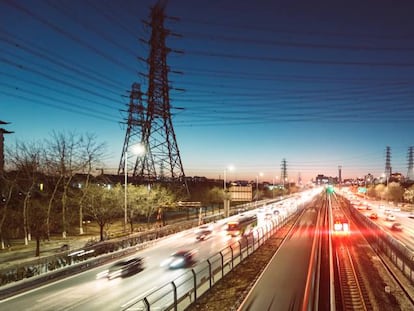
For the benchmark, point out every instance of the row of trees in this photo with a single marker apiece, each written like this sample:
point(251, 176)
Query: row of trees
point(392, 192)
point(48, 184)
point(48, 187)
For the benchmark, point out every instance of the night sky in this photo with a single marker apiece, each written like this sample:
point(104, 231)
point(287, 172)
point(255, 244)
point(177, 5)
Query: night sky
point(318, 83)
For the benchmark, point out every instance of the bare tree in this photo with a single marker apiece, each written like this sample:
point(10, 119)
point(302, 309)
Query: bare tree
point(26, 159)
point(91, 154)
point(38, 216)
point(7, 187)
point(64, 150)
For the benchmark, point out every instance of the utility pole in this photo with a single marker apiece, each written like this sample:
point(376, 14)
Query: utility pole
point(134, 123)
point(283, 172)
point(410, 172)
point(340, 175)
point(152, 123)
point(388, 170)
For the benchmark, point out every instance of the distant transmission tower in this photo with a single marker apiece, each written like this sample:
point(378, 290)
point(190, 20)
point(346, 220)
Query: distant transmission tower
point(388, 170)
point(283, 172)
point(340, 174)
point(133, 137)
point(161, 161)
point(410, 172)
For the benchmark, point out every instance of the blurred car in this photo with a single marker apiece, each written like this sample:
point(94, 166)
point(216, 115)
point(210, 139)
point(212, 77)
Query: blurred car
point(64, 248)
point(361, 206)
point(122, 268)
point(411, 215)
point(204, 232)
point(373, 216)
point(390, 217)
point(180, 259)
point(396, 226)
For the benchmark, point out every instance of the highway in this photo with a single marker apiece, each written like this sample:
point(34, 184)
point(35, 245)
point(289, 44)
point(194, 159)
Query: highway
point(85, 292)
point(282, 285)
point(290, 264)
point(406, 236)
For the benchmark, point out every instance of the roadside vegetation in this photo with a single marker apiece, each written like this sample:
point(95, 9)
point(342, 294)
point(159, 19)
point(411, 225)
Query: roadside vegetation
point(51, 188)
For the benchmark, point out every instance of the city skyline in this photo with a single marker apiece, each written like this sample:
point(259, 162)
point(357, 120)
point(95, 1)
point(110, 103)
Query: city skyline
point(319, 85)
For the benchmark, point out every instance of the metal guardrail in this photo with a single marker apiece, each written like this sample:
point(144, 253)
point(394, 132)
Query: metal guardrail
point(401, 256)
point(32, 273)
point(45, 269)
point(187, 288)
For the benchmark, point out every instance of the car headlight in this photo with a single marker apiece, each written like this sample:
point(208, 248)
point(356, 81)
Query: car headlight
point(102, 274)
point(114, 274)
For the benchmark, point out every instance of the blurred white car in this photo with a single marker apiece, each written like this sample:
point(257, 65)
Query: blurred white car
point(390, 217)
point(122, 268)
point(204, 232)
point(180, 259)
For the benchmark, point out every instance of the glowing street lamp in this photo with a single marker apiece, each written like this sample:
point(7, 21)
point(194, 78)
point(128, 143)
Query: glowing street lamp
point(230, 168)
point(139, 150)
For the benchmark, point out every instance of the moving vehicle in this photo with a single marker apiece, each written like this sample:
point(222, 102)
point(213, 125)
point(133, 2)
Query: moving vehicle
point(390, 217)
point(204, 232)
point(340, 226)
point(241, 226)
point(180, 259)
point(373, 216)
point(396, 226)
point(122, 268)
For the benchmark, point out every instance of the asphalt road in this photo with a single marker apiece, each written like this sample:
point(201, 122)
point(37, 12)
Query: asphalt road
point(85, 292)
point(282, 285)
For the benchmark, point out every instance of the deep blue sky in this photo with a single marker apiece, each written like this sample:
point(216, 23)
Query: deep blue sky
point(318, 83)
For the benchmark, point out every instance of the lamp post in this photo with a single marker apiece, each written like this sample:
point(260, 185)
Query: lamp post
point(257, 185)
point(226, 201)
point(138, 150)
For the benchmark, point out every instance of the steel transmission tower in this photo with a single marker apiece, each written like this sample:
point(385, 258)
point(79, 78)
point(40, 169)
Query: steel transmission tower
point(283, 172)
point(410, 172)
point(388, 170)
point(340, 174)
point(153, 124)
point(133, 137)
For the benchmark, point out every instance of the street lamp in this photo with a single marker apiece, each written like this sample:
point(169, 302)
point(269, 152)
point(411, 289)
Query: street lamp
point(226, 201)
point(230, 168)
point(139, 150)
point(257, 185)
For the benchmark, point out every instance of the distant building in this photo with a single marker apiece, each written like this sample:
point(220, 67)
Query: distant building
point(321, 180)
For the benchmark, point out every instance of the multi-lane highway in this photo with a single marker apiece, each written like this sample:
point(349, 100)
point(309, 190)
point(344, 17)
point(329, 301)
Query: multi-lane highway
point(381, 209)
point(85, 292)
point(290, 265)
